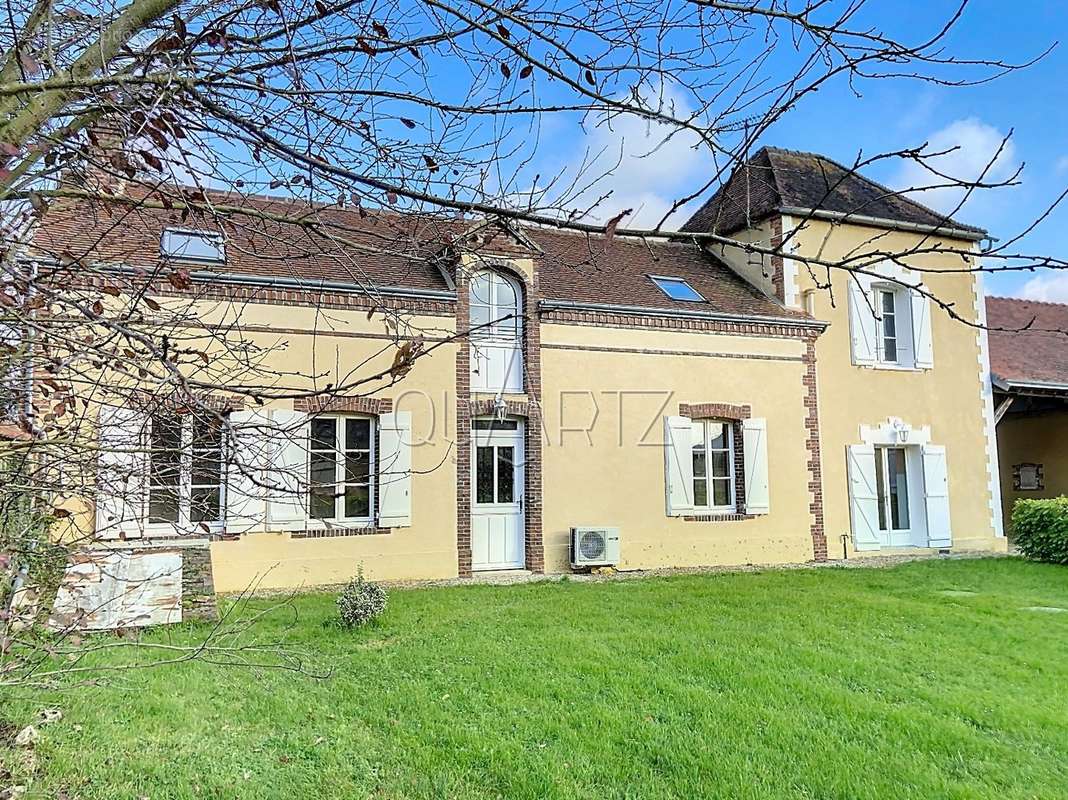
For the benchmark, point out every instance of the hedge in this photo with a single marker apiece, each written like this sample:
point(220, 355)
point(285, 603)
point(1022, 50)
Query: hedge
point(1040, 529)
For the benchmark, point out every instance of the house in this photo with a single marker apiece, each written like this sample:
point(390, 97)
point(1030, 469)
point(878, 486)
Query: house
point(1029, 371)
point(717, 404)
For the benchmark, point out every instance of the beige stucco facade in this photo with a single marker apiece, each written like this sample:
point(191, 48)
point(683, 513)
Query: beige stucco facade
point(602, 392)
point(952, 399)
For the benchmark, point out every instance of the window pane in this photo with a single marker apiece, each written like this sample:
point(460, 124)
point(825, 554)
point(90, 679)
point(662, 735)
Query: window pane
point(323, 473)
point(889, 326)
point(207, 469)
point(322, 502)
point(699, 465)
point(494, 424)
point(357, 501)
point(700, 492)
point(165, 468)
point(324, 434)
point(323, 468)
point(481, 289)
point(888, 302)
point(899, 491)
point(484, 475)
point(717, 432)
point(505, 475)
point(357, 434)
point(196, 245)
point(207, 435)
point(204, 504)
point(357, 468)
point(163, 505)
point(166, 433)
point(721, 492)
point(507, 300)
point(880, 486)
point(721, 467)
point(480, 316)
point(890, 349)
point(677, 289)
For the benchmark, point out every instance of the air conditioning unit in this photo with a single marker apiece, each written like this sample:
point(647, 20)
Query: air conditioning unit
point(594, 547)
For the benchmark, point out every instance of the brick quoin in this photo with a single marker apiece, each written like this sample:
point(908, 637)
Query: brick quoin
point(812, 444)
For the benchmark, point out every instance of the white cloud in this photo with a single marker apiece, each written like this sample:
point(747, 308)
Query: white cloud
point(975, 143)
point(1050, 288)
point(1062, 164)
point(644, 166)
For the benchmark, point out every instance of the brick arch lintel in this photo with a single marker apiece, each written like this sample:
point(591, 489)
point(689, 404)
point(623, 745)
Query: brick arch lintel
point(715, 411)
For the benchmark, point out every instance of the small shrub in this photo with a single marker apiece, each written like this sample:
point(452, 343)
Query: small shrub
point(360, 601)
point(1040, 529)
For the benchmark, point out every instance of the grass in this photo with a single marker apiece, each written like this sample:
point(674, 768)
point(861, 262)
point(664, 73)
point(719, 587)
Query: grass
point(860, 683)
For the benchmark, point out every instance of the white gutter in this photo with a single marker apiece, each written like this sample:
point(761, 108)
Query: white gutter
point(277, 281)
point(880, 222)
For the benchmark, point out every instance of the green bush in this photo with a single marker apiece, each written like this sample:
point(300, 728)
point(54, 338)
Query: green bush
point(360, 602)
point(1040, 528)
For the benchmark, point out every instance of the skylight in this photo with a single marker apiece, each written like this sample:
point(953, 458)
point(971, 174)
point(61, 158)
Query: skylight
point(677, 289)
point(189, 245)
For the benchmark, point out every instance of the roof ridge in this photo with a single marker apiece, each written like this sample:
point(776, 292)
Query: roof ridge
point(886, 190)
point(1027, 300)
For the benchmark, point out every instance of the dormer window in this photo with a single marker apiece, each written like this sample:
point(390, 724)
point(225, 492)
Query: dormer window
point(496, 333)
point(677, 289)
point(192, 245)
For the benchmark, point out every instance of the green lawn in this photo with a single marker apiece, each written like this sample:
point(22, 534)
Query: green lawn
point(859, 683)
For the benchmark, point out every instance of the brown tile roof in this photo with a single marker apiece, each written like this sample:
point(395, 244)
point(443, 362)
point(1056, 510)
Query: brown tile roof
point(774, 179)
point(579, 268)
point(379, 248)
point(395, 250)
point(1036, 355)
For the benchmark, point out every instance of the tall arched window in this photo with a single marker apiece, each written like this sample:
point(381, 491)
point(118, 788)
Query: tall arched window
point(496, 333)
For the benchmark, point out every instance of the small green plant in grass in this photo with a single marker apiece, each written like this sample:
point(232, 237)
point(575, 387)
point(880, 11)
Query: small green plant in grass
point(1041, 529)
point(360, 601)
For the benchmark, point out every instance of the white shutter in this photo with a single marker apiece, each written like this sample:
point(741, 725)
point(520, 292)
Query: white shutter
point(936, 493)
point(287, 473)
point(755, 456)
point(863, 496)
point(862, 323)
point(395, 470)
point(678, 465)
point(122, 474)
point(922, 345)
point(246, 502)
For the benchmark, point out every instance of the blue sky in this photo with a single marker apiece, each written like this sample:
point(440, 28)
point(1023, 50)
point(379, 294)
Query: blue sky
point(894, 114)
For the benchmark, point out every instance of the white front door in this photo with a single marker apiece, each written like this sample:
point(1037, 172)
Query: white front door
point(497, 461)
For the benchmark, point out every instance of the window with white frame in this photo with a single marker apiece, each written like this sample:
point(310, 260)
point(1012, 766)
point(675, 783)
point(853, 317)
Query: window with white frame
point(890, 323)
point(888, 302)
point(185, 470)
point(341, 468)
point(713, 465)
point(193, 245)
point(496, 332)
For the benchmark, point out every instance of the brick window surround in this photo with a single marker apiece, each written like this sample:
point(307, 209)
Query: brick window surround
point(733, 414)
point(529, 409)
point(341, 404)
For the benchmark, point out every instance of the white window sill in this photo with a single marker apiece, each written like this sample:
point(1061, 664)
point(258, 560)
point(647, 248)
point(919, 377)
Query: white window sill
point(893, 367)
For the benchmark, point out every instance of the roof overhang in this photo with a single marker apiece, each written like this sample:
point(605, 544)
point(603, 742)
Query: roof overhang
point(1030, 388)
point(950, 232)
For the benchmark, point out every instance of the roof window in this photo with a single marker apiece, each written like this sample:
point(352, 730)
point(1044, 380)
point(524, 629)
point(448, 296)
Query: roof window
point(677, 289)
point(191, 245)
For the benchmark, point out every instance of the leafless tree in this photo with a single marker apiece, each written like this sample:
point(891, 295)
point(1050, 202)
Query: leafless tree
point(414, 116)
